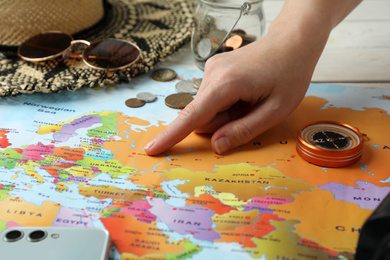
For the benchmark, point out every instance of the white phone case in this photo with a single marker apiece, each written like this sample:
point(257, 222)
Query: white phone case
point(44, 243)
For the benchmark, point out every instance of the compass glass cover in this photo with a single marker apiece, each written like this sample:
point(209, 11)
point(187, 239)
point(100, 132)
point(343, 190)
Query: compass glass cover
point(330, 137)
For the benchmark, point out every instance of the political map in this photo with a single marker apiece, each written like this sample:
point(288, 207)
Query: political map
point(76, 159)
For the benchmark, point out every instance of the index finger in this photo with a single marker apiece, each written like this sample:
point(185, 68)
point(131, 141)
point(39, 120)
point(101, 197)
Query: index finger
point(200, 111)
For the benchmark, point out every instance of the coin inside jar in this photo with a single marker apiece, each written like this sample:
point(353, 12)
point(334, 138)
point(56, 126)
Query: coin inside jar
point(205, 47)
point(219, 34)
point(248, 39)
point(234, 42)
point(179, 100)
point(164, 74)
point(240, 32)
point(134, 102)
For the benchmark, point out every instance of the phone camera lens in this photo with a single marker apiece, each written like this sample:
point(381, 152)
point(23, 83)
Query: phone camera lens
point(37, 236)
point(13, 236)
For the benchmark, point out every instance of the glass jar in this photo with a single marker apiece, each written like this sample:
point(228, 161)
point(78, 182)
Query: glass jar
point(225, 25)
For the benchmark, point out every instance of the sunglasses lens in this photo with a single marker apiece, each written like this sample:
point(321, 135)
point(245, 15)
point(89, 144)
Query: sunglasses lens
point(111, 54)
point(44, 46)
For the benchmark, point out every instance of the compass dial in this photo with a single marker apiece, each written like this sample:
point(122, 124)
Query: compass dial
point(332, 140)
point(329, 143)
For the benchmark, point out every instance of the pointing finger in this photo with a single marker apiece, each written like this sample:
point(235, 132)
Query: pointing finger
point(200, 111)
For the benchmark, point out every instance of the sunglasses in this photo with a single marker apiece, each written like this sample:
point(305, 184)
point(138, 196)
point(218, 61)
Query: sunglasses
point(107, 55)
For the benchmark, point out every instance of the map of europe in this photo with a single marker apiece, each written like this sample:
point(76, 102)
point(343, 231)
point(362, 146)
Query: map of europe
point(77, 160)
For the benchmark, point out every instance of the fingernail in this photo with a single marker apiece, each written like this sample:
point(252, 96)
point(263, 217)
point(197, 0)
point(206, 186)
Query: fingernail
point(222, 145)
point(150, 144)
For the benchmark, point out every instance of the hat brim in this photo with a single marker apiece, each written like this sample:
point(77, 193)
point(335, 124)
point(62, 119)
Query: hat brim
point(157, 27)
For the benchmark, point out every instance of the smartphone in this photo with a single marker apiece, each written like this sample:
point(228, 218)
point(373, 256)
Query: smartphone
point(44, 243)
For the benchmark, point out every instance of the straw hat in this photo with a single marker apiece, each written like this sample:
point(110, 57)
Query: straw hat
point(157, 27)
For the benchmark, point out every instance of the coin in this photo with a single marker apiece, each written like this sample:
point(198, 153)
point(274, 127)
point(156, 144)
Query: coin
point(205, 47)
point(225, 48)
point(239, 32)
point(234, 42)
point(164, 74)
point(215, 41)
point(178, 100)
point(197, 83)
point(245, 37)
point(249, 38)
point(146, 97)
point(134, 102)
point(186, 86)
point(219, 34)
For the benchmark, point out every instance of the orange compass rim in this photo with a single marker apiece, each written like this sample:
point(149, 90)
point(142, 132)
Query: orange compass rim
point(330, 158)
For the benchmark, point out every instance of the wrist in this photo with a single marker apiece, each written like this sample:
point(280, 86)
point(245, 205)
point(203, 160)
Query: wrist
point(301, 35)
point(302, 28)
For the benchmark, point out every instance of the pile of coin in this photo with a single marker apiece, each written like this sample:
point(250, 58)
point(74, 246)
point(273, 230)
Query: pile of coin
point(141, 99)
point(186, 89)
point(134, 102)
point(163, 75)
point(186, 86)
point(211, 42)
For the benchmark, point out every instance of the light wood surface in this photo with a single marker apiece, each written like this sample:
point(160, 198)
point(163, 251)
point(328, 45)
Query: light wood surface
point(357, 52)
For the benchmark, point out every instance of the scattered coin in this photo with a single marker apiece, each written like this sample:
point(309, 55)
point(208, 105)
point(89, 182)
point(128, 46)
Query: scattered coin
point(134, 102)
point(178, 100)
point(164, 74)
point(146, 97)
point(197, 83)
point(186, 86)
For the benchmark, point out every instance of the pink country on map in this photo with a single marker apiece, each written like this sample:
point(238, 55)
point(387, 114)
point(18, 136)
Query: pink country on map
point(140, 210)
point(209, 201)
point(36, 152)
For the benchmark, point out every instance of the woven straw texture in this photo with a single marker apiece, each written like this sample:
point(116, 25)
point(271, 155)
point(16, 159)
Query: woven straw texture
point(22, 19)
point(158, 27)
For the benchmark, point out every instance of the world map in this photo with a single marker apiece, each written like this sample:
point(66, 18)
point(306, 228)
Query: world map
point(77, 160)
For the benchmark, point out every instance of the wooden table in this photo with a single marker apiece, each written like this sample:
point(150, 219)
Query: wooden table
point(357, 52)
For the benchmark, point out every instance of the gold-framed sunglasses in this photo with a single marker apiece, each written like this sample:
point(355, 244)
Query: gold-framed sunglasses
point(106, 55)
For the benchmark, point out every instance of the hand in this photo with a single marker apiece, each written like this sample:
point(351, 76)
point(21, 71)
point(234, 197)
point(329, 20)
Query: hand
point(247, 91)
point(243, 93)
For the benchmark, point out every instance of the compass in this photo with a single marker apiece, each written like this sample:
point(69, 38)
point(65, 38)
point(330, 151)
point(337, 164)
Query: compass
point(329, 143)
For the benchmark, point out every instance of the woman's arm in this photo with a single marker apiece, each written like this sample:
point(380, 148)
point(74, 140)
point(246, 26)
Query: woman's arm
point(247, 91)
